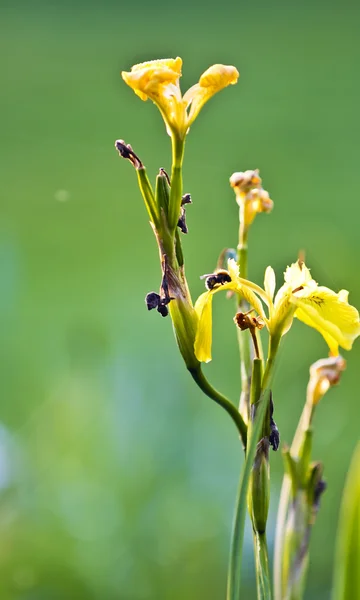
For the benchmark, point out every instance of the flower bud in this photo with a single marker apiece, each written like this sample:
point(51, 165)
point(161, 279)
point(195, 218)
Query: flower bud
point(324, 373)
point(244, 181)
point(250, 196)
point(259, 489)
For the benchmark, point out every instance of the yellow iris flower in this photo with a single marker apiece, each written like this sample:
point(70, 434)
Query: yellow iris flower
point(159, 81)
point(300, 296)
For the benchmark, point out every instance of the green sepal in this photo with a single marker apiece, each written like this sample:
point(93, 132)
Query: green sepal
point(315, 474)
point(303, 464)
point(148, 195)
point(291, 468)
point(162, 193)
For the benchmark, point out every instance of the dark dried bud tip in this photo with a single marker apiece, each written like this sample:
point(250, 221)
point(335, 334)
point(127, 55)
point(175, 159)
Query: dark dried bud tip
point(126, 151)
point(163, 310)
point(163, 172)
point(318, 492)
point(152, 300)
point(182, 221)
point(274, 437)
point(186, 199)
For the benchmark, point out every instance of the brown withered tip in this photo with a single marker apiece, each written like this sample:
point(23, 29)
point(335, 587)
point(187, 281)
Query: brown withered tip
point(274, 437)
point(247, 321)
point(166, 175)
point(182, 221)
point(126, 151)
point(186, 199)
point(244, 181)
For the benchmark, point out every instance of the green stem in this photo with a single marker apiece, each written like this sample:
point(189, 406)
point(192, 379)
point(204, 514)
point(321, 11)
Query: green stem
point(176, 180)
point(258, 499)
point(274, 343)
point(244, 336)
point(230, 408)
point(234, 572)
point(262, 566)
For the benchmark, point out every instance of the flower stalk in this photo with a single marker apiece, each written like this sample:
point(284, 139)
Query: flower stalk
point(298, 297)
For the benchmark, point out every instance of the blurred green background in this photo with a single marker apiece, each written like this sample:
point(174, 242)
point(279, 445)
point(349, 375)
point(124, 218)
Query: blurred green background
point(117, 477)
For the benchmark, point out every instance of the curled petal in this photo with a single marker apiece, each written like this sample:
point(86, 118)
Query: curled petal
point(246, 288)
point(218, 77)
point(212, 81)
point(331, 315)
point(246, 292)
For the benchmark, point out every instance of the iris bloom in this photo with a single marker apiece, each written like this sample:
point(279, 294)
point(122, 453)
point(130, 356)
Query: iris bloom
point(300, 296)
point(159, 81)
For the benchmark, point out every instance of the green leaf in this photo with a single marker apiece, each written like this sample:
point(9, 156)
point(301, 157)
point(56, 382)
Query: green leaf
point(347, 562)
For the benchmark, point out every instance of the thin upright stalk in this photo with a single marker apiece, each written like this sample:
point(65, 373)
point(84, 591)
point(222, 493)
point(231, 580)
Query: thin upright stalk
point(258, 497)
point(263, 583)
point(234, 571)
point(178, 145)
point(244, 336)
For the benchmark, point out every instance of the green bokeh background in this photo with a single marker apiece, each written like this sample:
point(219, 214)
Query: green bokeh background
point(117, 477)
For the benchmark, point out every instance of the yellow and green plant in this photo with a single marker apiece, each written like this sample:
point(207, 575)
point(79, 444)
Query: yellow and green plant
point(261, 313)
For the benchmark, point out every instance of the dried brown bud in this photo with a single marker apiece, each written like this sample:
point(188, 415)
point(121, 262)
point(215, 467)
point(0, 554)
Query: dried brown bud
point(244, 181)
point(126, 151)
point(246, 321)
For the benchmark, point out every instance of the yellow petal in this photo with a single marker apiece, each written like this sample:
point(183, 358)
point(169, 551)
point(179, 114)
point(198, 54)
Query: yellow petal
point(174, 64)
point(218, 77)
point(212, 81)
point(245, 288)
point(331, 315)
point(203, 339)
point(203, 309)
point(297, 275)
point(149, 79)
point(233, 269)
point(270, 282)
